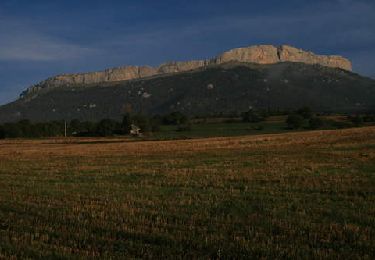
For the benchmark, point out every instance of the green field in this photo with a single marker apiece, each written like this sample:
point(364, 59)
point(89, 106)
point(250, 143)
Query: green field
point(219, 130)
point(292, 195)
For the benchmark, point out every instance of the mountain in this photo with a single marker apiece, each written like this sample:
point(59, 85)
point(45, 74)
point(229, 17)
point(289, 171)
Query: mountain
point(261, 54)
point(257, 77)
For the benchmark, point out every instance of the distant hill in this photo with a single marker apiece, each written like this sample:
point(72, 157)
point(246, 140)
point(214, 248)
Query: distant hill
point(210, 90)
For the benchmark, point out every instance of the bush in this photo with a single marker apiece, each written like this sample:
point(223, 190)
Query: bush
point(316, 123)
point(75, 126)
point(12, 130)
point(126, 124)
point(356, 120)
point(142, 122)
point(184, 128)
point(369, 118)
point(305, 112)
point(87, 128)
point(341, 124)
point(294, 121)
point(175, 118)
point(155, 123)
point(2, 132)
point(106, 127)
point(252, 117)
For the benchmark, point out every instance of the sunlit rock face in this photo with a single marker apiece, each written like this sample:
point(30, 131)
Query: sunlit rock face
point(268, 54)
point(290, 54)
point(260, 54)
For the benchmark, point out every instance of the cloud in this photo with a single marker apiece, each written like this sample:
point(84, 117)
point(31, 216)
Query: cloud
point(38, 48)
point(20, 41)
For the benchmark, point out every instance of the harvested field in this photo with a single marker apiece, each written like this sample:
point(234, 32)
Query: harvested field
point(294, 195)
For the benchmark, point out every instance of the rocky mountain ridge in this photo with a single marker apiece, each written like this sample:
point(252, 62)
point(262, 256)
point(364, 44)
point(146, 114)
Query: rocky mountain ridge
point(260, 54)
point(225, 89)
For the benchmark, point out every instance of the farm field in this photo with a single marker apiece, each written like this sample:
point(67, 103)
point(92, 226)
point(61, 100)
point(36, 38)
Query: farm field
point(205, 130)
point(291, 195)
point(220, 128)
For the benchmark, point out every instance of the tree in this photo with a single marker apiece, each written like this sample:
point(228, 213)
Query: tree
point(294, 121)
point(126, 123)
point(315, 123)
point(2, 132)
point(25, 128)
point(88, 128)
point(369, 118)
point(56, 128)
point(142, 122)
point(305, 112)
point(175, 118)
point(12, 130)
point(252, 117)
point(75, 126)
point(106, 127)
point(155, 123)
point(357, 120)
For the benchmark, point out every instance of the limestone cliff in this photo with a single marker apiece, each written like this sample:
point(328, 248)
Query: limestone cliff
point(268, 54)
point(261, 54)
point(291, 54)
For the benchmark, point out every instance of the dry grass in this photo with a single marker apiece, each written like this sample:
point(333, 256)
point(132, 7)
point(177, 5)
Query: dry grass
point(305, 195)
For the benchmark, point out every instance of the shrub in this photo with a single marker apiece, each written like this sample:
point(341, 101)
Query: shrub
point(126, 124)
point(2, 132)
point(258, 127)
point(155, 123)
point(341, 124)
point(357, 120)
point(369, 118)
point(252, 117)
point(87, 129)
point(294, 121)
point(106, 127)
point(305, 112)
point(184, 128)
point(175, 118)
point(316, 123)
point(75, 126)
point(12, 130)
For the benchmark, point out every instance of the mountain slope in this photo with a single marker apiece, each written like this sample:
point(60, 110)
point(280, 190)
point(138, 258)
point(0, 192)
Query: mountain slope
point(259, 54)
point(226, 88)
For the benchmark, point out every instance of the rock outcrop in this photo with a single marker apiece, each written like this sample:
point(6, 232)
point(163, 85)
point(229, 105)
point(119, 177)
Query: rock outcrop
point(291, 54)
point(173, 67)
point(268, 54)
point(261, 54)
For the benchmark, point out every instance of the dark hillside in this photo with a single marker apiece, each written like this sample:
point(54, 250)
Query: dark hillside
point(215, 90)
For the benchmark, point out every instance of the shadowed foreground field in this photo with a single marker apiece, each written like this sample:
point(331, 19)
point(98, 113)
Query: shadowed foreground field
point(305, 195)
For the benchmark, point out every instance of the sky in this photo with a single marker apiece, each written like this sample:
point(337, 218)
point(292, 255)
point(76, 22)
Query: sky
point(40, 38)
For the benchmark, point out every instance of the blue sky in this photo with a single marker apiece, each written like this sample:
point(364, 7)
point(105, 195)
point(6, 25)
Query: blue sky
point(39, 38)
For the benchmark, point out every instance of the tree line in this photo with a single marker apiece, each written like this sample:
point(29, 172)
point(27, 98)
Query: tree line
point(305, 118)
point(302, 118)
point(105, 127)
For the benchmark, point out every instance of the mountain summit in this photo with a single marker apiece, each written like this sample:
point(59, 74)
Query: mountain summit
point(260, 54)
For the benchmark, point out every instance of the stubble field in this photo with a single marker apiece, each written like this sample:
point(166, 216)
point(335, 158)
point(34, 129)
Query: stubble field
point(294, 195)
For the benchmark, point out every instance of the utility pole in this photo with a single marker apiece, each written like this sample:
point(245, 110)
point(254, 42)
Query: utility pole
point(268, 89)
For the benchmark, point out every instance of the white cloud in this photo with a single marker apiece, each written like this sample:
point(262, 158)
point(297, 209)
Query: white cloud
point(19, 41)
